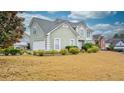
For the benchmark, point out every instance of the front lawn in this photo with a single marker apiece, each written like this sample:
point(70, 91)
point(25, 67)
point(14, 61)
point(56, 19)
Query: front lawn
point(95, 66)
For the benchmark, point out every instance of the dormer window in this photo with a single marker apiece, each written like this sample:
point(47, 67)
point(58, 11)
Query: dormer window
point(34, 30)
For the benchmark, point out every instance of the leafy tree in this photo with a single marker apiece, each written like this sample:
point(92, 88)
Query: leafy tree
point(97, 43)
point(11, 28)
point(121, 35)
point(86, 46)
point(116, 36)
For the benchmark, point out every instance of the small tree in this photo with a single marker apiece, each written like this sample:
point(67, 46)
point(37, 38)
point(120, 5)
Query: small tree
point(11, 28)
point(116, 36)
point(122, 36)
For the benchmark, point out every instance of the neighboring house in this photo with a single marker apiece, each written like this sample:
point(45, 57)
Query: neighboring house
point(96, 37)
point(49, 35)
point(24, 42)
point(116, 43)
point(102, 42)
point(99, 39)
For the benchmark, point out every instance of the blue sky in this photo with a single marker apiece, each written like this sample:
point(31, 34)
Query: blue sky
point(102, 22)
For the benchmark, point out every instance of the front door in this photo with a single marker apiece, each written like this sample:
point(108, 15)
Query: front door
point(57, 43)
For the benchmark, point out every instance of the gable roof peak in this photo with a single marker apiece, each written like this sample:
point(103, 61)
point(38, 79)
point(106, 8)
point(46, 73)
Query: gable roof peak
point(48, 25)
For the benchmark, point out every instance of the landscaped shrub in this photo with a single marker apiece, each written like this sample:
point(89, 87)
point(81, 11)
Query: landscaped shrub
point(23, 51)
point(10, 51)
point(63, 51)
point(35, 52)
point(89, 50)
point(68, 47)
point(1, 51)
point(111, 47)
point(6, 51)
point(74, 50)
point(28, 52)
point(87, 46)
point(53, 52)
point(47, 52)
point(94, 49)
point(40, 52)
point(13, 51)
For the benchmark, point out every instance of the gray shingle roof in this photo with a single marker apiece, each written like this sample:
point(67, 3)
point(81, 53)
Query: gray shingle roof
point(114, 41)
point(47, 25)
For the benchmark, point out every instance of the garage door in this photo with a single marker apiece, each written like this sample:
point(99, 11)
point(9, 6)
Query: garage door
point(39, 45)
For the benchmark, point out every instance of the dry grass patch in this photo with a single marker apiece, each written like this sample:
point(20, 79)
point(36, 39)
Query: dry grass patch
point(95, 66)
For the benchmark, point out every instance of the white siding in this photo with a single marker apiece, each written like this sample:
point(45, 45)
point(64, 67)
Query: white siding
point(39, 45)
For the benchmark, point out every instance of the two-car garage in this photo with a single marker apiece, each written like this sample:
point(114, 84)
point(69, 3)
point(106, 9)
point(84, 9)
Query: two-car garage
point(38, 45)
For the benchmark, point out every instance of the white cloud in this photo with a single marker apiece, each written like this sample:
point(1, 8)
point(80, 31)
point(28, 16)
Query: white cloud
point(102, 27)
point(108, 30)
point(116, 23)
point(119, 23)
point(89, 14)
point(28, 18)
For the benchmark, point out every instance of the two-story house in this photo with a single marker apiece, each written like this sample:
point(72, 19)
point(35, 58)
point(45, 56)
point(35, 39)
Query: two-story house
point(56, 35)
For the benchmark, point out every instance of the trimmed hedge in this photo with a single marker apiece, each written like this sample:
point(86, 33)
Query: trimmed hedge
point(13, 51)
point(42, 52)
point(94, 49)
point(63, 51)
point(6, 51)
point(1, 51)
point(10, 51)
point(90, 48)
point(74, 50)
point(35, 52)
point(29, 52)
point(87, 46)
point(38, 52)
point(68, 47)
point(53, 52)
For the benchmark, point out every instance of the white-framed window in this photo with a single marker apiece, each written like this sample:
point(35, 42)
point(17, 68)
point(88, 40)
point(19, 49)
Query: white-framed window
point(88, 34)
point(72, 42)
point(34, 30)
point(57, 43)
